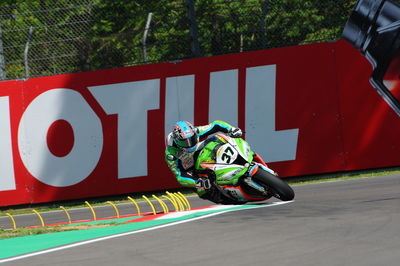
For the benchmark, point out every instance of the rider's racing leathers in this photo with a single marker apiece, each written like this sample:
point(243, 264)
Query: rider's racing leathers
point(182, 163)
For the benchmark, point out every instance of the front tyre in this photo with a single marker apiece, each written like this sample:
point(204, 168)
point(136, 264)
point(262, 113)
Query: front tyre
point(275, 186)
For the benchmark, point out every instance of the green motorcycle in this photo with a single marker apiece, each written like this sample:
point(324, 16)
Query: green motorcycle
point(230, 166)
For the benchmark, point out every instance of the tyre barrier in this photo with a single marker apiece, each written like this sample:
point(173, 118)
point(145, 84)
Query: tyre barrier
point(177, 200)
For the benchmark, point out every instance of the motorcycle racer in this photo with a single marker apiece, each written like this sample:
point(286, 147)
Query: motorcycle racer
point(183, 144)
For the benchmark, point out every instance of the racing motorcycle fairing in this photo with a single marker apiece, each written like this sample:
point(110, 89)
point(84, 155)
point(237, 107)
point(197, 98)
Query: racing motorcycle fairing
point(241, 195)
point(228, 158)
point(239, 174)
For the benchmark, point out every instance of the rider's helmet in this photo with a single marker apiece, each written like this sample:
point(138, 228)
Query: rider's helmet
point(185, 136)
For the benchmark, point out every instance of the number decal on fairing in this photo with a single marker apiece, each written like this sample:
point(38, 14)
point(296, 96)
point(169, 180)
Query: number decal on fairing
point(226, 154)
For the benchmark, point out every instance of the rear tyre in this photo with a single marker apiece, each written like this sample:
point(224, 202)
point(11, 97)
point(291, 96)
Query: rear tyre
point(276, 186)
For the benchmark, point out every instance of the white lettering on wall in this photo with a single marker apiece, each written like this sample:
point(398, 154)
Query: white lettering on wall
point(179, 101)
point(224, 96)
point(130, 101)
point(42, 112)
point(7, 178)
point(272, 145)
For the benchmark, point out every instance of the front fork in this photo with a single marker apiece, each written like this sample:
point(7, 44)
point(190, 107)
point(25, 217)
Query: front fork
point(257, 158)
point(252, 171)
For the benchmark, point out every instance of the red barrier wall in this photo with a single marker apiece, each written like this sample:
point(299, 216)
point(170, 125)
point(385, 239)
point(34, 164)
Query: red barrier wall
point(370, 127)
point(306, 109)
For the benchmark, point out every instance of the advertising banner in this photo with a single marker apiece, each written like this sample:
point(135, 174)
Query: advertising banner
point(305, 109)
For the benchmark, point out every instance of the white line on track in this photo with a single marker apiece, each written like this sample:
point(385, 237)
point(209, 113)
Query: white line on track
point(132, 232)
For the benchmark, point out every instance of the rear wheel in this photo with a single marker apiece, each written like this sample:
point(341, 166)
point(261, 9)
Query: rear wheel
point(276, 187)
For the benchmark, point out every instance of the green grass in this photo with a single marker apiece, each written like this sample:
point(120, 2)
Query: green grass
point(342, 176)
point(101, 201)
point(9, 233)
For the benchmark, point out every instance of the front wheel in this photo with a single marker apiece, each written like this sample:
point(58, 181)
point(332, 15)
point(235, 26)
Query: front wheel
point(275, 186)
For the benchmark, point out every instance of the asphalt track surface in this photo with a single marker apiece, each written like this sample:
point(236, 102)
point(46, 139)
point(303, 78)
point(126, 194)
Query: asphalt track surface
point(354, 222)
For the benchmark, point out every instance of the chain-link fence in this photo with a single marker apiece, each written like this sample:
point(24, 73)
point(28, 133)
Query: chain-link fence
point(40, 37)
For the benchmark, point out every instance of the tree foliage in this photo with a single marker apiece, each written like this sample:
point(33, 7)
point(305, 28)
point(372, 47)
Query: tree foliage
point(81, 35)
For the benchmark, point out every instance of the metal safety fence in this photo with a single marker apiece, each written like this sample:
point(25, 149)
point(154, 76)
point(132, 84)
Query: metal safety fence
point(39, 37)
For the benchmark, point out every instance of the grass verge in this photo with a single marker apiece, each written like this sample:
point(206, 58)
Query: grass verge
point(342, 176)
point(9, 233)
point(100, 201)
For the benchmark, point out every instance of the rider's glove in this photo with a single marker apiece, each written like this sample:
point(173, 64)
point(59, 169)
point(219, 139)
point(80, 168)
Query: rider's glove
point(203, 183)
point(235, 132)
